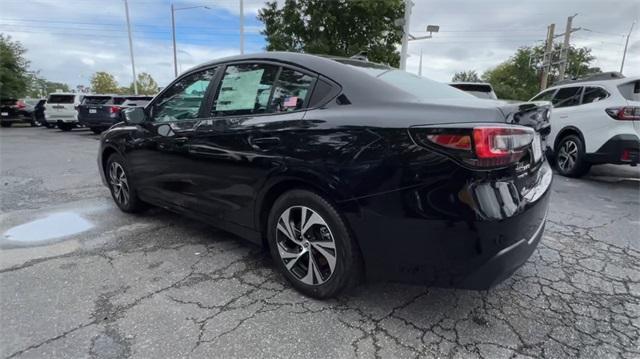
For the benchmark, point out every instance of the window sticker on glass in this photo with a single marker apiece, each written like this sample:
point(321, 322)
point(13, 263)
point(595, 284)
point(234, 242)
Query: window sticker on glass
point(239, 90)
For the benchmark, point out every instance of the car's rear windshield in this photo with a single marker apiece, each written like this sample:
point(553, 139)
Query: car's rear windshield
point(418, 86)
point(61, 98)
point(95, 100)
point(8, 101)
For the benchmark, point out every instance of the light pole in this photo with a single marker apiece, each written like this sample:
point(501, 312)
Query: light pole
point(173, 32)
point(133, 64)
point(408, 4)
point(241, 27)
point(626, 44)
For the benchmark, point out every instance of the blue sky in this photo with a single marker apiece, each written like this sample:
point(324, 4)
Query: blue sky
point(69, 40)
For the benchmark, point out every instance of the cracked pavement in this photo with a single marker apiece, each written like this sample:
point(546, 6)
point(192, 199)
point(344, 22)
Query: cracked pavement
point(159, 285)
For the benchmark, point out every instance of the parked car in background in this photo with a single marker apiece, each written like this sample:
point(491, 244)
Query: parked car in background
point(477, 89)
point(594, 120)
point(99, 112)
point(341, 167)
point(61, 110)
point(14, 110)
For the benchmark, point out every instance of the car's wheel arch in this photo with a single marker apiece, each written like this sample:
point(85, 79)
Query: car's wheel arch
point(276, 186)
point(566, 131)
point(107, 151)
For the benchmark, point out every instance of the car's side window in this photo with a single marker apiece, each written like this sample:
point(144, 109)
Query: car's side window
point(245, 89)
point(567, 96)
point(291, 91)
point(545, 96)
point(594, 94)
point(183, 99)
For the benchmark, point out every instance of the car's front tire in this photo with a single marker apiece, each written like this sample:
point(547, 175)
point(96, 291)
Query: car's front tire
point(311, 244)
point(122, 190)
point(570, 157)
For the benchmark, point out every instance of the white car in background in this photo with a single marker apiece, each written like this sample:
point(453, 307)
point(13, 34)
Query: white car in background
point(61, 110)
point(594, 120)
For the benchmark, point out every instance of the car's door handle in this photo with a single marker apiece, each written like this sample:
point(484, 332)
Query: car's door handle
point(264, 142)
point(564, 116)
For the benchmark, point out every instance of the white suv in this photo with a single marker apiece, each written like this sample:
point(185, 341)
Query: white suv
point(61, 110)
point(594, 120)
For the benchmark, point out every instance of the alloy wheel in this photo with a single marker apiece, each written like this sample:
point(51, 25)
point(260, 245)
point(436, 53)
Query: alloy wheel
point(568, 155)
point(119, 183)
point(306, 245)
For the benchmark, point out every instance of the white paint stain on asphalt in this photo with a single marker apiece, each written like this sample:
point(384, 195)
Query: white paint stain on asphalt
point(57, 225)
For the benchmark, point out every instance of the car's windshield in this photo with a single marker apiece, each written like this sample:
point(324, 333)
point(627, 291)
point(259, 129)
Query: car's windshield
point(418, 86)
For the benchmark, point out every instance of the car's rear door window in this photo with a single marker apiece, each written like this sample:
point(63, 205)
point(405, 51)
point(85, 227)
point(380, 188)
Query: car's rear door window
point(95, 100)
point(291, 91)
point(61, 99)
point(182, 101)
point(545, 96)
point(593, 94)
point(567, 96)
point(245, 89)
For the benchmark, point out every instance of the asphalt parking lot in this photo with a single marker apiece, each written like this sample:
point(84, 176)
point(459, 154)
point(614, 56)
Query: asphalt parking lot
point(160, 286)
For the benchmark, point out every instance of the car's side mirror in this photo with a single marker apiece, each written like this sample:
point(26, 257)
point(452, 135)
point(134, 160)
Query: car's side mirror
point(135, 115)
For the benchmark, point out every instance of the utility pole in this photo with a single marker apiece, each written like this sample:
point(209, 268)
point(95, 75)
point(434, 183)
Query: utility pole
point(241, 27)
point(173, 34)
point(564, 53)
point(626, 44)
point(547, 57)
point(133, 64)
point(405, 34)
point(420, 67)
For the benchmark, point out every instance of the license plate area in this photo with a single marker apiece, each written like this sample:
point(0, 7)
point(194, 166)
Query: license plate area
point(93, 110)
point(5, 114)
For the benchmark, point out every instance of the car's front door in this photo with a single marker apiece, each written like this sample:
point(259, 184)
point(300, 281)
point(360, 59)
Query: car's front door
point(158, 155)
point(255, 106)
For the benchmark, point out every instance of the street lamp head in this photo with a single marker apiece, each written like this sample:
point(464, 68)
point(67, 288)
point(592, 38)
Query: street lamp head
point(433, 28)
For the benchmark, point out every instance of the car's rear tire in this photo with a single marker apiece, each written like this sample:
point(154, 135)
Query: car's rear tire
point(96, 130)
point(570, 157)
point(5, 124)
point(65, 127)
point(122, 190)
point(317, 254)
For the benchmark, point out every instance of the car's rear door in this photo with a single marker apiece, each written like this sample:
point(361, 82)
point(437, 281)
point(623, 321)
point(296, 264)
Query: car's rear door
point(61, 106)
point(257, 105)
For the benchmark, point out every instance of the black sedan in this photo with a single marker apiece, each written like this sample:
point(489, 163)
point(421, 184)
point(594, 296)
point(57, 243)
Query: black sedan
point(343, 169)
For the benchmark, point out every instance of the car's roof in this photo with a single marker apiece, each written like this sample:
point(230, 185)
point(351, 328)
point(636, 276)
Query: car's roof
point(357, 84)
point(65, 93)
point(611, 82)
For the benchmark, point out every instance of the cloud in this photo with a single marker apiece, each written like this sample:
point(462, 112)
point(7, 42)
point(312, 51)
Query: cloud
point(70, 40)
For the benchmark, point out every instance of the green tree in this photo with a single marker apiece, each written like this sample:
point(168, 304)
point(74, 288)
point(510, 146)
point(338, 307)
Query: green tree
point(14, 78)
point(39, 87)
point(103, 82)
point(146, 85)
point(466, 76)
point(518, 78)
point(336, 27)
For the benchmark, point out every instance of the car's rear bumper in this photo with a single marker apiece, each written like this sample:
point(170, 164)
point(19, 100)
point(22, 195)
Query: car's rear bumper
point(620, 149)
point(15, 118)
point(414, 235)
point(97, 122)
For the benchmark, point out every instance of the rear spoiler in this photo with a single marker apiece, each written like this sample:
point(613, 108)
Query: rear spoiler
point(532, 114)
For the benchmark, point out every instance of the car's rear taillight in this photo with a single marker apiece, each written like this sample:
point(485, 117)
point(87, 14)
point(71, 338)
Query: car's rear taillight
point(114, 109)
point(20, 105)
point(479, 146)
point(626, 113)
